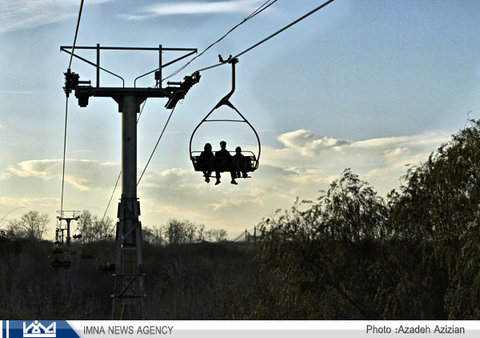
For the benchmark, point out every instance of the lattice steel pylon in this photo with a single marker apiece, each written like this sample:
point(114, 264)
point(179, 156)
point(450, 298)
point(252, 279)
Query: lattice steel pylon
point(128, 291)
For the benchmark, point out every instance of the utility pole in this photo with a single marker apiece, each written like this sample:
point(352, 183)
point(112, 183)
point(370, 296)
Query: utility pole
point(128, 291)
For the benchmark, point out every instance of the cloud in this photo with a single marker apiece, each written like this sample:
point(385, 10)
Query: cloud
point(183, 194)
point(194, 7)
point(318, 159)
point(23, 14)
point(309, 144)
point(304, 163)
point(82, 174)
point(27, 202)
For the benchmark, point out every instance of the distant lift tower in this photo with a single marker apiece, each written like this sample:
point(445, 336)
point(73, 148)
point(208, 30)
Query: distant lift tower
point(67, 216)
point(128, 291)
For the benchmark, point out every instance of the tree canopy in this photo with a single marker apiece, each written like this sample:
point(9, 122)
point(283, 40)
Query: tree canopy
point(352, 254)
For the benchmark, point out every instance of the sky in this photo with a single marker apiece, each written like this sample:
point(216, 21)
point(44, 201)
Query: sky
point(373, 85)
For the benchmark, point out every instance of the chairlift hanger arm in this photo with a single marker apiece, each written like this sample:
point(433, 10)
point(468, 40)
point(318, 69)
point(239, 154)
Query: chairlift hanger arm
point(226, 101)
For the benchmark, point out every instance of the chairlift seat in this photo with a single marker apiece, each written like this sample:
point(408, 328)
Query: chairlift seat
point(106, 267)
point(87, 256)
point(61, 264)
point(250, 161)
point(58, 250)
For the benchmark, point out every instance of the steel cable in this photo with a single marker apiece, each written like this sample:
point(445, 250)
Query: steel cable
point(270, 36)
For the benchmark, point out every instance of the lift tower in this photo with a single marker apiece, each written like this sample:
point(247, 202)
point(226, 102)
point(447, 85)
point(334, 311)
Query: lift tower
point(68, 216)
point(128, 291)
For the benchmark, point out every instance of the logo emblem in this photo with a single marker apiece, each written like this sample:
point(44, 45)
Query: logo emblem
point(38, 330)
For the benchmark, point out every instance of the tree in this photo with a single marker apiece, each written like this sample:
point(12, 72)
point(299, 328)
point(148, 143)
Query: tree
point(321, 259)
point(180, 232)
point(85, 226)
point(439, 209)
point(183, 232)
point(152, 235)
point(440, 200)
point(92, 228)
point(216, 235)
point(31, 225)
point(351, 255)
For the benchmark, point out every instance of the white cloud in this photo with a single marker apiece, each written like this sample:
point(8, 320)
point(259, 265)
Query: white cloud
point(82, 174)
point(382, 161)
point(194, 7)
point(27, 202)
point(309, 144)
point(304, 164)
point(23, 14)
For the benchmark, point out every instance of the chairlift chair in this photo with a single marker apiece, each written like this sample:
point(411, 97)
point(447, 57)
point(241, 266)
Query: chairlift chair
point(252, 159)
point(56, 263)
point(105, 267)
point(61, 258)
point(58, 250)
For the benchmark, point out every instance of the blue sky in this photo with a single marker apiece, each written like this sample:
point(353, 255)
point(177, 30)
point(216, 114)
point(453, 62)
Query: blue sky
point(371, 85)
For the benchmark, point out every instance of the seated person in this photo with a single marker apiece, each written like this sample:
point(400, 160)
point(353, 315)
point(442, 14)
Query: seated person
point(206, 161)
point(223, 162)
point(239, 163)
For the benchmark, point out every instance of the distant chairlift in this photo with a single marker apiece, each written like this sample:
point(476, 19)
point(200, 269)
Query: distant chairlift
point(61, 254)
point(61, 257)
point(252, 159)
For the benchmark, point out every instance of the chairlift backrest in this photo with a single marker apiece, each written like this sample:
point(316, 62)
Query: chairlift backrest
point(251, 162)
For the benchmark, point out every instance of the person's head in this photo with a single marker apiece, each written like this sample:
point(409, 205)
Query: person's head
point(207, 147)
point(238, 150)
point(223, 144)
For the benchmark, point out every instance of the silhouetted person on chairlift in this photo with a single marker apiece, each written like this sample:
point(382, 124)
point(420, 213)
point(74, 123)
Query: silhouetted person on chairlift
point(206, 161)
point(239, 163)
point(223, 162)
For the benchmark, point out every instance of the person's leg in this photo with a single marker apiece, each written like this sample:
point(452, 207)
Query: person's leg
point(232, 174)
point(245, 168)
point(207, 176)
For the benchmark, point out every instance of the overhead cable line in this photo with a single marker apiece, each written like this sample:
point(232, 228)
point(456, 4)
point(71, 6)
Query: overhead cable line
point(156, 145)
point(270, 36)
point(146, 165)
point(66, 110)
point(260, 9)
point(263, 7)
point(64, 155)
point(8, 213)
point(120, 173)
point(76, 32)
point(111, 196)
